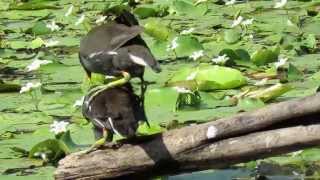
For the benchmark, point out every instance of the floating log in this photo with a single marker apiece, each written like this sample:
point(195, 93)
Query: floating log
point(268, 131)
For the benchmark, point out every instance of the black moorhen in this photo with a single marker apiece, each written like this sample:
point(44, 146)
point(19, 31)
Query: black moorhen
point(113, 111)
point(117, 49)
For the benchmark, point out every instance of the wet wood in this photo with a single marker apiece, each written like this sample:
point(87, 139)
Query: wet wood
point(252, 135)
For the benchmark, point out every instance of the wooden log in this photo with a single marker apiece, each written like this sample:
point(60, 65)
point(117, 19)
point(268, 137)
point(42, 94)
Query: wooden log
point(191, 148)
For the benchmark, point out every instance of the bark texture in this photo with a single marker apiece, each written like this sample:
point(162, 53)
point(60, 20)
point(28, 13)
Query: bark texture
point(274, 129)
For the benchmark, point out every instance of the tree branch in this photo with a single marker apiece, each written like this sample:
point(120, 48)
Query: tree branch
point(204, 146)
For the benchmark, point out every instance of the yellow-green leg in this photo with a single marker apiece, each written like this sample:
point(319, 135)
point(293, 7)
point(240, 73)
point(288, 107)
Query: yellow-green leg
point(119, 82)
point(106, 137)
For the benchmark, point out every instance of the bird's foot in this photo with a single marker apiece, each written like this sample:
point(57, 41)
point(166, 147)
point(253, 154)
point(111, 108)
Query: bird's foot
point(112, 145)
point(98, 144)
point(109, 145)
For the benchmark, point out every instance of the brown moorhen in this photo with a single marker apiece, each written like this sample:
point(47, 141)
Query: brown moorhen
point(117, 49)
point(113, 111)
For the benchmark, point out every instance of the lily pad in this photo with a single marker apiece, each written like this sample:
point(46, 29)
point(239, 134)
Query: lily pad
point(187, 45)
point(264, 56)
point(185, 7)
point(209, 77)
point(231, 36)
point(157, 30)
point(217, 77)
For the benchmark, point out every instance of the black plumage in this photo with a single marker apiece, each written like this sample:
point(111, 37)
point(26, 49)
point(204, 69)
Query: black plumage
point(117, 46)
point(117, 110)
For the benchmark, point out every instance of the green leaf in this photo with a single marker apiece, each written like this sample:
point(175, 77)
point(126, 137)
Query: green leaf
point(144, 12)
point(153, 129)
point(311, 41)
point(312, 154)
point(191, 99)
point(187, 45)
point(54, 150)
point(293, 73)
point(39, 28)
point(230, 53)
point(160, 100)
point(270, 92)
point(38, 42)
point(249, 104)
point(242, 54)
point(217, 77)
point(210, 77)
point(159, 49)
point(231, 36)
point(264, 56)
point(184, 7)
point(157, 30)
point(33, 6)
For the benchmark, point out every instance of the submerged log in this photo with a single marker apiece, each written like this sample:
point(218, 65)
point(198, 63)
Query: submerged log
point(221, 143)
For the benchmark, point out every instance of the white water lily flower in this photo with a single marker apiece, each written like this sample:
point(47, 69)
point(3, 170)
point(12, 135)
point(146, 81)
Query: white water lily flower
point(262, 82)
point(51, 43)
point(192, 76)
point(231, 2)
point(220, 59)
point(188, 31)
point(280, 4)
point(197, 54)
point(36, 64)
point(27, 87)
point(282, 61)
point(53, 26)
point(59, 127)
point(237, 21)
point(101, 19)
point(247, 22)
point(181, 89)
point(80, 20)
point(79, 102)
point(173, 44)
point(69, 11)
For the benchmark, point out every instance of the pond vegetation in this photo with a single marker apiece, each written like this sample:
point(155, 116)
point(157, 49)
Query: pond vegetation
point(217, 59)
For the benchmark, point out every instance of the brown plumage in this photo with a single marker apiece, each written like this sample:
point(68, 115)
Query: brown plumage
point(117, 110)
point(117, 46)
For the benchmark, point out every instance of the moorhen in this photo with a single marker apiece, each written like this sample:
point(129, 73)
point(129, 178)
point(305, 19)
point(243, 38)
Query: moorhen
point(116, 48)
point(115, 110)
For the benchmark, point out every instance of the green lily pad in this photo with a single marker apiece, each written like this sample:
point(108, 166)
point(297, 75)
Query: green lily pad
point(38, 42)
point(159, 49)
point(185, 7)
point(157, 30)
point(39, 28)
point(293, 73)
point(209, 77)
point(187, 45)
point(264, 56)
point(144, 12)
point(250, 104)
point(54, 150)
point(217, 77)
point(231, 36)
point(159, 101)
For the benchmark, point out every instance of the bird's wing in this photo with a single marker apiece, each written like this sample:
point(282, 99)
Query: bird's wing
point(107, 38)
point(127, 33)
